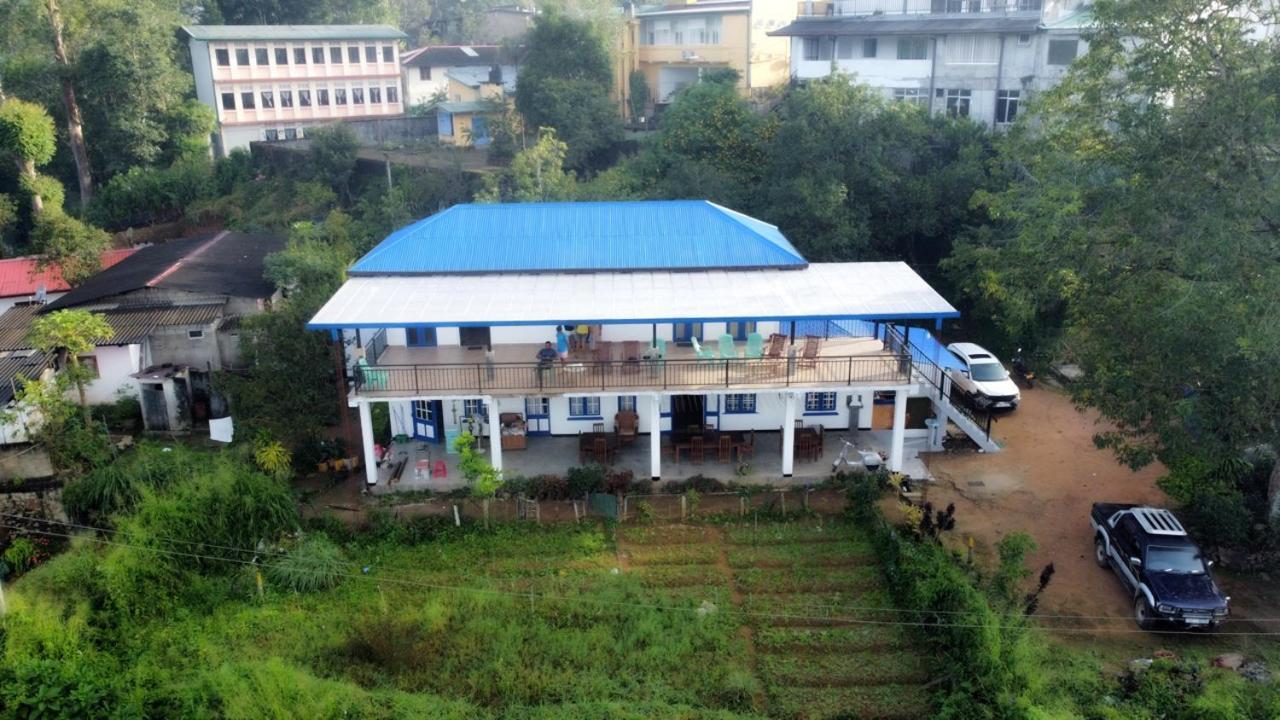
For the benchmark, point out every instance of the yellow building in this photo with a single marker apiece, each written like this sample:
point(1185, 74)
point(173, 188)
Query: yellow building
point(674, 45)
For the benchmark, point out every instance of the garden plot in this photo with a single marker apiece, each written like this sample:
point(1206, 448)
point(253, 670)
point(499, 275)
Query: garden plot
point(823, 639)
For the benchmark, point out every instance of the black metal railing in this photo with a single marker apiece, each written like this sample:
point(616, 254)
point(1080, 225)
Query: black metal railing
point(928, 370)
point(486, 378)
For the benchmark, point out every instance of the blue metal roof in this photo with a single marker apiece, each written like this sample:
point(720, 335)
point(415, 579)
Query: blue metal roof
point(580, 236)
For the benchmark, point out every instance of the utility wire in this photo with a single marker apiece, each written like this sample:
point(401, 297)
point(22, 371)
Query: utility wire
point(529, 595)
point(393, 570)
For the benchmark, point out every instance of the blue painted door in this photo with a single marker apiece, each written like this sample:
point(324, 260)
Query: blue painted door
point(428, 420)
point(537, 415)
point(479, 131)
point(740, 330)
point(420, 337)
point(685, 332)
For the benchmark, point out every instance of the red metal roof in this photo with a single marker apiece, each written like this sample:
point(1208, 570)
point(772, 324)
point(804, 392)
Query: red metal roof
point(20, 276)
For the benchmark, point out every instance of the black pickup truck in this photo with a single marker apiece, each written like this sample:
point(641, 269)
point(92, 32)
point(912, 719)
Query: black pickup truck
point(1150, 552)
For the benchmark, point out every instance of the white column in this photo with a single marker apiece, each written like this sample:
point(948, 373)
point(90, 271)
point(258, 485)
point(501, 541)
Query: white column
point(899, 430)
point(788, 435)
point(655, 436)
point(495, 435)
point(366, 442)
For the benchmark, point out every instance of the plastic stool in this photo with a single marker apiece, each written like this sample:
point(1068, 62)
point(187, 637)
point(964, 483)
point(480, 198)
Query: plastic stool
point(441, 470)
point(422, 470)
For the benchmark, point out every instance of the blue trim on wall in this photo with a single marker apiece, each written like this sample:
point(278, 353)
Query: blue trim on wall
point(824, 412)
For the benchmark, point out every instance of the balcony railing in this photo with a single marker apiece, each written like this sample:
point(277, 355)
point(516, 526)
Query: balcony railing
point(835, 8)
point(536, 378)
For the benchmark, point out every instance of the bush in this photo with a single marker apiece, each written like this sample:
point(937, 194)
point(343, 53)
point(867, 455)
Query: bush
point(697, 483)
point(67, 688)
point(586, 479)
point(122, 416)
point(25, 553)
point(315, 564)
point(619, 482)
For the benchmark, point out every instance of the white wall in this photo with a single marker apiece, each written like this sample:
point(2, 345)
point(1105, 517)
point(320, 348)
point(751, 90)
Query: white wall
point(9, 302)
point(115, 364)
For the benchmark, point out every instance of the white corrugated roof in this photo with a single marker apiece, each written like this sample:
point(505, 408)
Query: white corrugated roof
point(873, 290)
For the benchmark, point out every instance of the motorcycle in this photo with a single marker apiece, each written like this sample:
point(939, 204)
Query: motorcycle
point(1023, 370)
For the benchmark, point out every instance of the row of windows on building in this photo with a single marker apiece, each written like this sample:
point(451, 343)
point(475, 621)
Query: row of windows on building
point(959, 49)
point(300, 56)
point(589, 408)
point(957, 102)
point(303, 97)
point(681, 31)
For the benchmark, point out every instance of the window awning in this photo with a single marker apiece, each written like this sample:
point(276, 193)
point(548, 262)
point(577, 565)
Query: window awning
point(821, 291)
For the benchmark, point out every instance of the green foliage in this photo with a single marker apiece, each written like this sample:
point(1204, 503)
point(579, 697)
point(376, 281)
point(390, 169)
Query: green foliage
point(1135, 234)
point(332, 156)
point(80, 687)
point(480, 475)
point(124, 415)
point(272, 457)
point(75, 445)
point(26, 130)
point(1006, 583)
point(638, 99)
point(565, 82)
point(8, 214)
point(315, 564)
point(537, 174)
point(74, 332)
point(144, 196)
point(69, 244)
point(22, 555)
point(585, 479)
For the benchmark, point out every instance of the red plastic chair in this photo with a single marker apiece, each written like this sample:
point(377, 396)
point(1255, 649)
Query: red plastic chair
point(441, 470)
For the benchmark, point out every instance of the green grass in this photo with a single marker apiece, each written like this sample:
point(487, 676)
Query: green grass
point(843, 669)
point(876, 701)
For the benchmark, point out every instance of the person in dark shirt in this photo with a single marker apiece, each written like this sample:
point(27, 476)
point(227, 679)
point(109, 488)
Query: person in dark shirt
point(547, 354)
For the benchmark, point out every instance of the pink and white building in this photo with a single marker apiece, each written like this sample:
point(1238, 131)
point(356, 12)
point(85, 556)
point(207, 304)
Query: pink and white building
point(271, 82)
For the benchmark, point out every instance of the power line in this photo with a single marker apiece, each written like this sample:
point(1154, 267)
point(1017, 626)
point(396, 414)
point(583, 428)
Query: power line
point(530, 595)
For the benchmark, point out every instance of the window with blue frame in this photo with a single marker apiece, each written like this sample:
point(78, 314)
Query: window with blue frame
point(476, 409)
point(740, 330)
point(819, 402)
point(584, 407)
point(422, 411)
point(420, 337)
point(626, 402)
point(739, 403)
point(537, 407)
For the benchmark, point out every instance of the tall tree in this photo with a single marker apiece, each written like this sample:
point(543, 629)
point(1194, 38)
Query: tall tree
point(537, 174)
point(1140, 235)
point(565, 84)
point(75, 125)
point(26, 133)
point(72, 333)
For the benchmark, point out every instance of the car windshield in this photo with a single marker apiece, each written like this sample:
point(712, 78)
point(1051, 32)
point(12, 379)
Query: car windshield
point(988, 372)
point(1184, 561)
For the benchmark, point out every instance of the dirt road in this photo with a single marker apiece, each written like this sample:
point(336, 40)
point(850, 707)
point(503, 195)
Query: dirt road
point(1043, 484)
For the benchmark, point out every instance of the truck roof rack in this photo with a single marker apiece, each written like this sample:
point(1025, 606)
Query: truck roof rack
point(1158, 521)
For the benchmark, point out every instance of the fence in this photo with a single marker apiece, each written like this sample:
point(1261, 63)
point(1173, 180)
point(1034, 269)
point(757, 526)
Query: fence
point(483, 378)
point(626, 508)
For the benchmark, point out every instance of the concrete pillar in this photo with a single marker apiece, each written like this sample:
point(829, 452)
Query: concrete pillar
point(655, 436)
point(899, 430)
point(366, 442)
point(495, 435)
point(789, 435)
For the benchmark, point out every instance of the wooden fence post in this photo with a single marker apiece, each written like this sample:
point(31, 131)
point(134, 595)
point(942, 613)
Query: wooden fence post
point(683, 508)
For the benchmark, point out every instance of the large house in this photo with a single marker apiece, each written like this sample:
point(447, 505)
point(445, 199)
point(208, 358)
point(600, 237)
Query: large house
point(174, 308)
point(459, 73)
point(674, 45)
point(979, 59)
point(271, 82)
point(685, 317)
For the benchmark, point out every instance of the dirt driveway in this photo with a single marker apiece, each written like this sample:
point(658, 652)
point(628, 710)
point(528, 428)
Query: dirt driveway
point(1043, 483)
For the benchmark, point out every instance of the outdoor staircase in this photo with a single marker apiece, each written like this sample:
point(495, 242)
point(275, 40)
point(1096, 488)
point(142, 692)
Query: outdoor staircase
point(965, 421)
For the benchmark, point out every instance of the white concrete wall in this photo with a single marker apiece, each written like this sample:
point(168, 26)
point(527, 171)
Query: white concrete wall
point(9, 302)
point(115, 364)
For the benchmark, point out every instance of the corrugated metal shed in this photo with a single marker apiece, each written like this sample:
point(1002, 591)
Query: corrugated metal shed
point(907, 25)
point(824, 291)
point(132, 324)
point(293, 32)
point(581, 236)
point(15, 364)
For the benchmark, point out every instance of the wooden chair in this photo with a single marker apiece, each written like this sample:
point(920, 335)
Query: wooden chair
point(777, 344)
point(809, 356)
point(600, 450)
point(597, 428)
point(627, 425)
point(747, 447)
point(697, 450)
point(604, 352)
point(585, 448)
point(724, 448)
point(631, 354)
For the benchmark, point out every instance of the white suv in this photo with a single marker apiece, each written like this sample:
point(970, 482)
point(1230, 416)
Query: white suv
point(983, 379)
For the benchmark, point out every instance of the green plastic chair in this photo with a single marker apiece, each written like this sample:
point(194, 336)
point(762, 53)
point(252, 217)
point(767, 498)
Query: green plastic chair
point(755, 346)
point(703, 353)
point(728, 351)
point(660, 346)
point(373, 379)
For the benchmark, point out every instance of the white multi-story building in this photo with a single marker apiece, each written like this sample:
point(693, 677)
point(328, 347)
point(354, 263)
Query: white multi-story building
point(271, 82)
point(979, 59)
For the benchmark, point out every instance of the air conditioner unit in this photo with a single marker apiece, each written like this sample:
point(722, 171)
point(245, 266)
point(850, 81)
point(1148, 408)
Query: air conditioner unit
point(689, 55)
